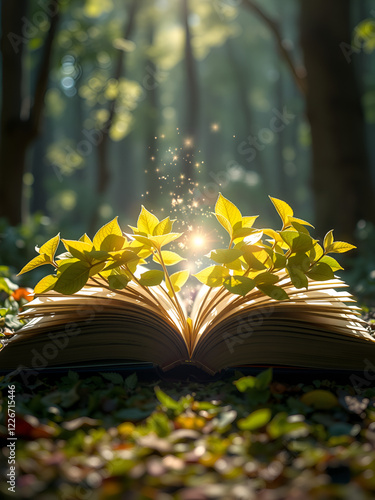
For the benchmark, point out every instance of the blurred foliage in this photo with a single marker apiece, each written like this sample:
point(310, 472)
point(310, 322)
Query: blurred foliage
point(12, 299)
point(111, 436)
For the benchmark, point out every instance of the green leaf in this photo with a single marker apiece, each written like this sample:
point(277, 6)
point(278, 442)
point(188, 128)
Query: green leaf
point(163, 227)
point(46, 284)
point(178, 280)
point(108, 229)
point(224, 255)
point(333, 264)
point(297, 277)
point(72, 277)
point(264, 378)
point(212, 276)
point(281, 426)
point(37, 261)
point(169, 258)
point(147, 221)
point(266, 278)
point(50, 247)
point(240, 285)
point(284, 211)
point(273, 291)
point(316, 252)
point(256, 420)
point(113, 243)
point(297, 242)
point(151, 278)
point(121, 258)
point(166, 401)
point(321, 271)
point(117, 281)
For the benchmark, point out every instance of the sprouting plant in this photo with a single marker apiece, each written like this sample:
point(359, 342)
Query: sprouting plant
point(254, 258)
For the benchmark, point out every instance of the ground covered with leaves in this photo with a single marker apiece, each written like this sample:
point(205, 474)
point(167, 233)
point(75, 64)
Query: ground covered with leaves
point(113, 436)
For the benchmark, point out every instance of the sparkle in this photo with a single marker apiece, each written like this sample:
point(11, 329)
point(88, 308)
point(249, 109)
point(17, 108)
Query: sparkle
point(188, 142)
point(215, 127)
point(198, 240)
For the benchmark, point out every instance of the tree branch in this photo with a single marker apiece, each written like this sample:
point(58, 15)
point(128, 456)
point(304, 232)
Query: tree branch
point(274, 28)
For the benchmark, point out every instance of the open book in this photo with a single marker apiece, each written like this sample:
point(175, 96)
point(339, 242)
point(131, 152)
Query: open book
point(261, 310)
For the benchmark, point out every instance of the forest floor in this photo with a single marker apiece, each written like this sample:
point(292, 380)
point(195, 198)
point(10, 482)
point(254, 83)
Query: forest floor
point(113, 436)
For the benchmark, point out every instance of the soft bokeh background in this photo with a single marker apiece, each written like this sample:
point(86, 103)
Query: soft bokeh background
point(107, 104)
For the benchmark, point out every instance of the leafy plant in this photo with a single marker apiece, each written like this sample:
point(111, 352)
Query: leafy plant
point(254, 258)
point(262, 258)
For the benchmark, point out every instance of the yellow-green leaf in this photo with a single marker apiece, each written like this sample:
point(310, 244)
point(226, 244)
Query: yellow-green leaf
point(248, 221)
point(50, 247)
point(86, 239)
point(320, 272)
point(284, 211)
point(111, 228)
point(333, 264)
point(328, 240)
point(178, 280)
point(37, 261)
point(225, 223)
point(45, 284)
point(256, 257)
point(240, 285)
point(297, 242)
point(340, 247)
point(320, 399)
point(228, 210)
point(164, 239)
point(255, 420)
point(169, 258)
point(163, 227)
point(78, 248)
point(225, 255)
point(72, 277)
point(212, 276)
point(300, 221)
point(147, 221)
point(151, 278)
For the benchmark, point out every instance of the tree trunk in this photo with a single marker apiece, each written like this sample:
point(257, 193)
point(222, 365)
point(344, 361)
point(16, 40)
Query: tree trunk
point(20, 115)
point(14, 134)
point(104, 172)
point(341, 178)
point(192, 103)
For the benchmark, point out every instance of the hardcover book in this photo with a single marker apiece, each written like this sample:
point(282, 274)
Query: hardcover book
point(270, 298)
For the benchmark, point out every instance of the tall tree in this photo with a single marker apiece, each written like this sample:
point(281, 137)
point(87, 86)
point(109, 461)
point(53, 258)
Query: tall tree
point(21, 113)
point(341, 176)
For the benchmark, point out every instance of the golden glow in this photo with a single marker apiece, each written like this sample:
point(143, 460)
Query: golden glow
point(198, 240)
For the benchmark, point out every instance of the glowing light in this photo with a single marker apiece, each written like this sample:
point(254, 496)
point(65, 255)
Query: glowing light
point(215, 127)
point(198, 240)
point(188, 142)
